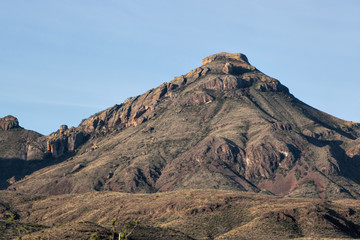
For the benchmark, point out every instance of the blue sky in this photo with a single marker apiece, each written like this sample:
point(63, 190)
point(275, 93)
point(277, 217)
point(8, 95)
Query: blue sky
point(62, 61)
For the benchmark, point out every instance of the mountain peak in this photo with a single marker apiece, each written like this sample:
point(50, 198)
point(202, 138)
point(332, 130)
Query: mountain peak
point(239, 57)
point(9, 122)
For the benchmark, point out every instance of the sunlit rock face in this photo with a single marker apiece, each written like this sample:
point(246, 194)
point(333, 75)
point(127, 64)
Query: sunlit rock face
point(9, 122)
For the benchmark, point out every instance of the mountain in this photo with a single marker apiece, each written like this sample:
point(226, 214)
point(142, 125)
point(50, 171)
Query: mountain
point(224, 125)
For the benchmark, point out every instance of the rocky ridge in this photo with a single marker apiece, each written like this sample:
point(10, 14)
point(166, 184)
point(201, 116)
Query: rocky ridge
point(136, 110)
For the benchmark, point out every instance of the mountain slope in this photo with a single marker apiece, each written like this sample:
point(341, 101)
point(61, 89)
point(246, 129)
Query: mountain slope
point(21, 151)
point(224, 125)
point(183, 214)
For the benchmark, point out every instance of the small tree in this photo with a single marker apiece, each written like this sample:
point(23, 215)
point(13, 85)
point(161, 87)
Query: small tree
point(126, 231)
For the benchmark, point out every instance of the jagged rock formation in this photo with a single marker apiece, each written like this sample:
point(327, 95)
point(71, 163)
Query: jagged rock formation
point(224, 125)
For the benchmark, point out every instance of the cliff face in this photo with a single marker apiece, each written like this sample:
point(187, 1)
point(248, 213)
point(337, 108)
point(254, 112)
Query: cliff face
point(223, 125)
point(65, 141)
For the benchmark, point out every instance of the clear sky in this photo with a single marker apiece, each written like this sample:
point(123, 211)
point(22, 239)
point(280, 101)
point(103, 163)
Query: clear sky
point(62, 61)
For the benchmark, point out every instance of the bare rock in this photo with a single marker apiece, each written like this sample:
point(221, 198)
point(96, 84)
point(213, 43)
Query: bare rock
point(262, 160)
point(196, 99)
point(9, 122)
point(354, 152)
point(226, 56)
point(228, 68)
point(271, 86)
point(224, 82)
point(63, 128)
point(282, 126)
point(34, 152)
point(68, 141)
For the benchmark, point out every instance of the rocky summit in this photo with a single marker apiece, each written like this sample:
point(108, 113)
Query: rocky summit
point(8, 122)
point(224, 127)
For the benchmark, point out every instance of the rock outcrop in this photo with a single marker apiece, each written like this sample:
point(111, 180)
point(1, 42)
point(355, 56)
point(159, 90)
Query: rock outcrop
point(226, 56)
point(18, 143)
point(9, 122)
point(65, 140)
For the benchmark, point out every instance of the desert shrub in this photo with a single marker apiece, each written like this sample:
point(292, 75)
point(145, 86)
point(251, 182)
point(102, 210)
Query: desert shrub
point(125, 232)
point(297, 174)
point(94, 236)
